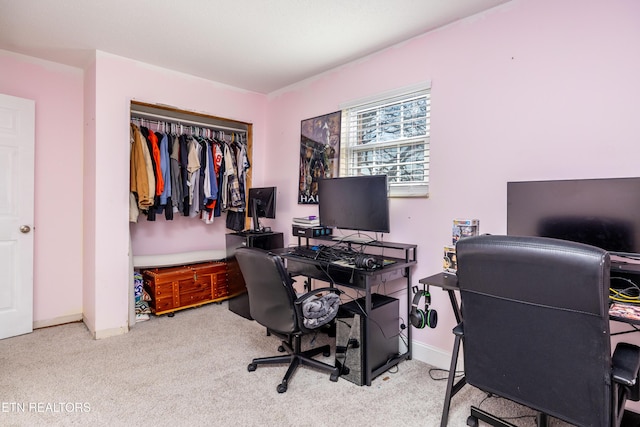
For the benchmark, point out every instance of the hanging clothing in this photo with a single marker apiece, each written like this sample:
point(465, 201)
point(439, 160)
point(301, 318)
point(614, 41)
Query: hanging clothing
point(152, 140)
point(194, 177)
point(219, 167)
point(176, 175)
point(232, 184)
point(243, 167)
point(138, 178)
point(165, 171)
point(188, 174)
point(184, 165)
point(164, 167)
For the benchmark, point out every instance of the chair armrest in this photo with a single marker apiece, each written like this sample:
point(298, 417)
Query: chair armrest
point(626, 363)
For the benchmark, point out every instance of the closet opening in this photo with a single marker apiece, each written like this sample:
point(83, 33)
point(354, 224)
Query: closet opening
point(175, 235)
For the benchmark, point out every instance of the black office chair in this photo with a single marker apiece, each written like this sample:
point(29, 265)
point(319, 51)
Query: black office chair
point(535, 329)
point(274, 304)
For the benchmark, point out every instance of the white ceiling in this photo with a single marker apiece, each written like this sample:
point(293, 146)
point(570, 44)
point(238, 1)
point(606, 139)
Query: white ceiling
point(257, 45)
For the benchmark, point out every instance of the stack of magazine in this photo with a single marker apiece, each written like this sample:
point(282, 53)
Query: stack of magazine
point(307, 221)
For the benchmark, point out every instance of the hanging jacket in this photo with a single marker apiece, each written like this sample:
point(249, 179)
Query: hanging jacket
point(138, 178)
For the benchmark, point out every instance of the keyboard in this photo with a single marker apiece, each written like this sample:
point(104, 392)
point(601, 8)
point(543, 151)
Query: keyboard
point(305, 251)
point(341, 256)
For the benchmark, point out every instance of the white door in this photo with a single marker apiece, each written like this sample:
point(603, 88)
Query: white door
point(17, 124)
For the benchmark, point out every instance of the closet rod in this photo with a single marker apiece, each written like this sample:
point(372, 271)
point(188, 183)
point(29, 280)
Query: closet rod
point(143, 115)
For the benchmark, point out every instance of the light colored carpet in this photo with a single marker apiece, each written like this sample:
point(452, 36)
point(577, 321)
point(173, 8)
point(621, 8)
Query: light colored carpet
point(192, 370)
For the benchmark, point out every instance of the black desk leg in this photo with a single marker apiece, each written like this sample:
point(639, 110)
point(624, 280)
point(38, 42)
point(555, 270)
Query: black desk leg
point(455, 306)
point(451, 388)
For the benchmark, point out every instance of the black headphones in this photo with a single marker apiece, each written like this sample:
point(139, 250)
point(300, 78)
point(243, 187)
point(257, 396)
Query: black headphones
point(366, 261)
point(421, 318)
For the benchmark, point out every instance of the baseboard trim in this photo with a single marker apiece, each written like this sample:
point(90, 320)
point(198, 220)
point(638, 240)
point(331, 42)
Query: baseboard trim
point(434, 356)
point(107, 333)
point(104, 333)
point(38, 324)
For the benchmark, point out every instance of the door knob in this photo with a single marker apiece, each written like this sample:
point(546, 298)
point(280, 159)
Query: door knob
point(25, 229)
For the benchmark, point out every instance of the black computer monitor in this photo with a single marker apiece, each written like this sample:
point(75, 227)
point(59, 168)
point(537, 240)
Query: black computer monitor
point(358, 203)
point(261, 204)
point(599, 212)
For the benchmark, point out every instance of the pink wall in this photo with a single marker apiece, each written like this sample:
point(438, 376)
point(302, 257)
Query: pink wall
point(89, 225)
point(533, 89)
point(57, 91)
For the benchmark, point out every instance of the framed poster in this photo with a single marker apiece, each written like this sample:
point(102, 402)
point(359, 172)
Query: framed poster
point(319, 154)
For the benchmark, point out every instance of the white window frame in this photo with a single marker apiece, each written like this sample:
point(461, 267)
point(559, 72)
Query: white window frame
point(349, 144)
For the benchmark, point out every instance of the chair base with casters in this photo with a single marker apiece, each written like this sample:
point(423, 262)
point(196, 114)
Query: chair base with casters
point(275, 305)
point(295, 358)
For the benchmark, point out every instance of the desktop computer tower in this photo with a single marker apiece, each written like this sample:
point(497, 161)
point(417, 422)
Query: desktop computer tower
point(351, 356)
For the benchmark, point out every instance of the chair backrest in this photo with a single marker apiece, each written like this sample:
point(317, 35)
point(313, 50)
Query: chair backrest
point(536, 325)
point(271, 294)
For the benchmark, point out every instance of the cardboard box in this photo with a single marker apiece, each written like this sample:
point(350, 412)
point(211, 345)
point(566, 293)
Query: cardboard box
point(450, 261)
point(464, 228)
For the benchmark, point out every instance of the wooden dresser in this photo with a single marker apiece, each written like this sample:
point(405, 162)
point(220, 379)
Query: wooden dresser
point(177, 288)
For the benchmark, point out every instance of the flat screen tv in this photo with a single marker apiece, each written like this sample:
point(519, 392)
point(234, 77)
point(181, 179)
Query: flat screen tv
point(599, 212)
point(357, 203)
point(261, 204)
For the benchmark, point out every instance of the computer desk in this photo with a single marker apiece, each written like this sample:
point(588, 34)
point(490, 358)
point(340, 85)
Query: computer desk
point(362, 280)
point(449, 283)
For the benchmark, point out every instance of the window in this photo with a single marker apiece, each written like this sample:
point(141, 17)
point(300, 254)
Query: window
point(389, 135)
